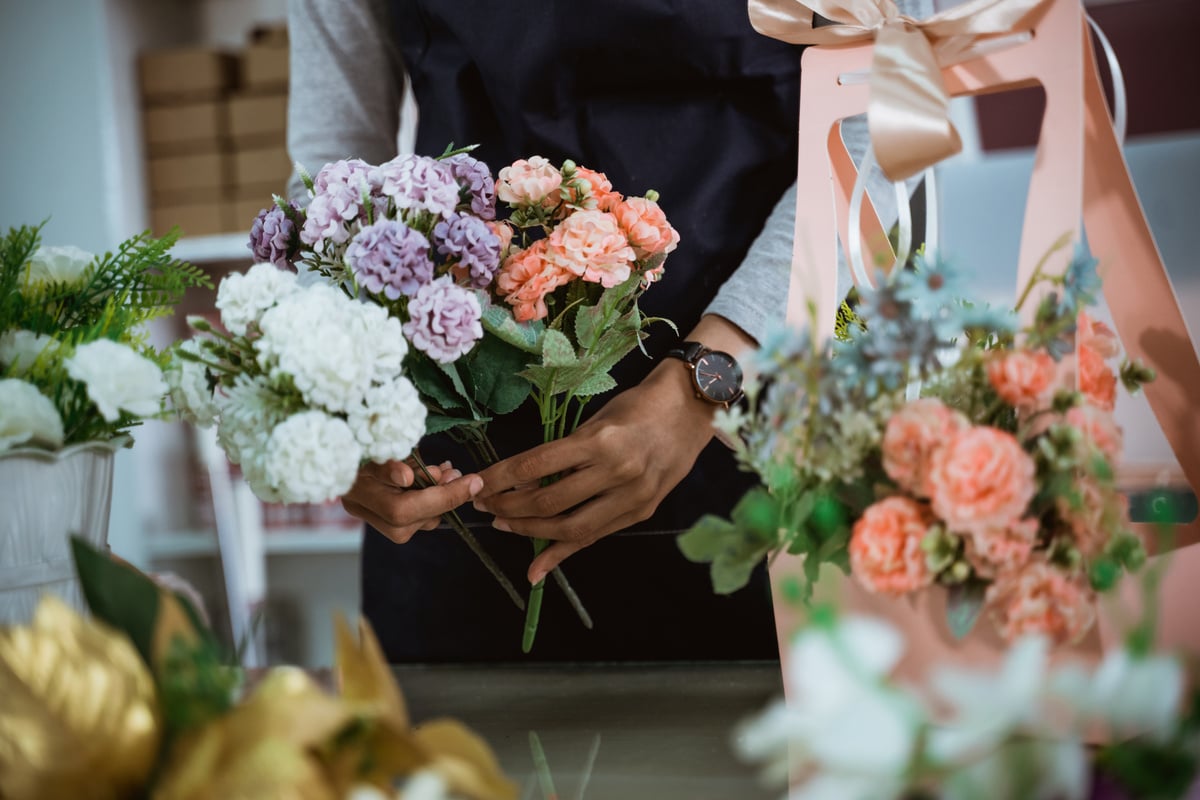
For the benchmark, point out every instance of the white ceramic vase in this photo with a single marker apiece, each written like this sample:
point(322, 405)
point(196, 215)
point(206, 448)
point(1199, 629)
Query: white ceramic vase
point(45, 498)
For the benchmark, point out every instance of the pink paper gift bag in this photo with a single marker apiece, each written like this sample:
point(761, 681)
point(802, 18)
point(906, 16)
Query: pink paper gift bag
point(1079, 178)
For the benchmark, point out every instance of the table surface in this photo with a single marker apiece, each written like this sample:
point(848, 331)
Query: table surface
point(624, 732)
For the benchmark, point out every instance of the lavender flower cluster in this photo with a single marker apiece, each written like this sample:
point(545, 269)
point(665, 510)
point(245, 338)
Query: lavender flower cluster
point(417, 234)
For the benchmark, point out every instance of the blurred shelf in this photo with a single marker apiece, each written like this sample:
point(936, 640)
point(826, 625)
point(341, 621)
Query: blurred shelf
point(214, 249)
point(282, 541)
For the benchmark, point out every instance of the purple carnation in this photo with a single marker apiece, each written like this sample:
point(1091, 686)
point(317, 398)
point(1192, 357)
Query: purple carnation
point(273, 237)
point(469, 241)
point(337, 200)
point(390, 258)
point(476, 179)
point(444, 320)
point(419, 183)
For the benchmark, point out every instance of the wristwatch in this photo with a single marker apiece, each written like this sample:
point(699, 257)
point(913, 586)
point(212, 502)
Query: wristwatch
point(716, 375)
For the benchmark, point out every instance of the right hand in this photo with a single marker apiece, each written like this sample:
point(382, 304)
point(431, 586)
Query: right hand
point(383, 497)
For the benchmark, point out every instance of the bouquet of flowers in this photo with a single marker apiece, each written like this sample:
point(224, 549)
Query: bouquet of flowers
point(76, 364)
point(542, 300)
point(137, 701)
point(935, 443)
point(304, 385)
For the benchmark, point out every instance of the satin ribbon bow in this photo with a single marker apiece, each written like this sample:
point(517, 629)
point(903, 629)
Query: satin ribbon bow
point(908, 112)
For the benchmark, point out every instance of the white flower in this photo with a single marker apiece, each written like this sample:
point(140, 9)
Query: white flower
point(248, 414)
point(20, 348)
point(27, 415)
point(366, 791)
point(987, 708)
point(242, 299)
point(1029, 769)
point(1132, 695)
point(118, 379)
point(57, 265)
point(314, 336)
point(841, 719)
point(190, 392)
point(827, 786)
point(312, 457)
point(390, 423)
point(425, 785)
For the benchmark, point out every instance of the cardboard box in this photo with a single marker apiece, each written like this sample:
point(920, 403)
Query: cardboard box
point(258, 120)
point(265, 68)
point(262, 166)
point(193, 219)
point(184, 175)
point(185, 74)
point(246, 209)
point(192, 128)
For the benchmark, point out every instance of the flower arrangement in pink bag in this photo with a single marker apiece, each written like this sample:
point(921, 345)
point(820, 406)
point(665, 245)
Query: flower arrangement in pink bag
point(997, 481)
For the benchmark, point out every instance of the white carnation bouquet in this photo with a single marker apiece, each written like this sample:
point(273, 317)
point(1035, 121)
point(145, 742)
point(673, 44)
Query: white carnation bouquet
point(76, 364)
point(304, 384)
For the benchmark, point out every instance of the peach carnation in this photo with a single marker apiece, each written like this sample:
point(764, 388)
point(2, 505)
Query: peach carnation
point(1040, 599)
point(1100, 514)
point(504, 232)
point(591, 245)
point(526, 277)
point(1097, 381)
point(885, 547)
point(1095, 335)
point(1099, 429)
point(528, 182)
point(1000, 551)
point(1023, 378)
point(911, 436)
point(981, 479)
point(600, 193)
point(646, 226)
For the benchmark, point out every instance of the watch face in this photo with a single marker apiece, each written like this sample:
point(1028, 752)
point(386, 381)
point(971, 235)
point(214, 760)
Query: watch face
point(718, 377)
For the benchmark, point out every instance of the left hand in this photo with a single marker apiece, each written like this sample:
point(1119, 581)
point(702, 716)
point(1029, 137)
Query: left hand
point(616, 468)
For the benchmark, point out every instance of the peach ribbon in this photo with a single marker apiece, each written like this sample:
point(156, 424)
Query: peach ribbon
point(908, 112)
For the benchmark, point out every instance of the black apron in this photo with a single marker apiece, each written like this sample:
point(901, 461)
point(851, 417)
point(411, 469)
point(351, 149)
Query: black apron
point(681, 96)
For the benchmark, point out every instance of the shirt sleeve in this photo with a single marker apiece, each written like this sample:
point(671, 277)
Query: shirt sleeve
point(755, 296)
point(346, 86)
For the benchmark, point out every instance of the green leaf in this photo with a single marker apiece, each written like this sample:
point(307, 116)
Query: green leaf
point(758, 513)
point(451, 371)
point(730, 573)
point(557, 350)
point(118, 595)
point(596, 384)
point(438, 423)
point(432, 383)
point(591, 321)
point(963, 605)
point(498, 320)
point(493, 370)
point(707, 539)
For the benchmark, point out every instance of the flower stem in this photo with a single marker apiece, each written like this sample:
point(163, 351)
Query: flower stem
point(533, 611)
point(452, 519)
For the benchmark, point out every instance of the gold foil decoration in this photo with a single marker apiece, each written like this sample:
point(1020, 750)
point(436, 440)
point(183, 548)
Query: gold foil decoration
point(908, 111)
point(78, 710)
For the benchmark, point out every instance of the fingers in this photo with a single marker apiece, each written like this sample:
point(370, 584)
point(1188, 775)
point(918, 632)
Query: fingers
point(400, 534)
point(605, 514)
point(550, 558)
point(399, 513)
point(533, 465)
point(545, 501)
point(402, 475)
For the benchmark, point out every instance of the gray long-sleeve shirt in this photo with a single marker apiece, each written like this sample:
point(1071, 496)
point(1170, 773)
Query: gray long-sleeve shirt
point(347, 89)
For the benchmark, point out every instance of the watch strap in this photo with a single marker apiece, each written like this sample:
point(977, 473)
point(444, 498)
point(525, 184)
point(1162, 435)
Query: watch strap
point(687, 351)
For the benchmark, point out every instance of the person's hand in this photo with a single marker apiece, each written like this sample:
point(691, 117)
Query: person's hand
point(383, 497)
point(615, 469)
